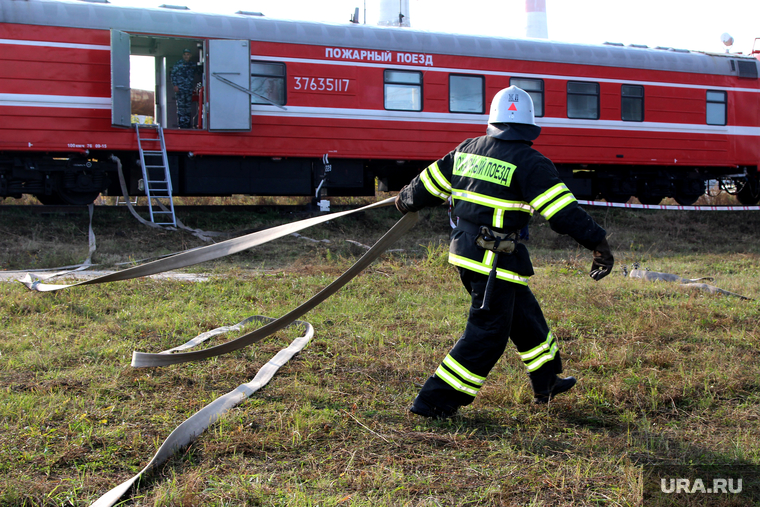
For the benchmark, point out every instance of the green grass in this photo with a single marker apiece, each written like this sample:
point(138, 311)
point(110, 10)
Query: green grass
point(666, 374)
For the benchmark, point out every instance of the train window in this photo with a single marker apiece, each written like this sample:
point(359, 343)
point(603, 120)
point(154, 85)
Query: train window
point(466, 94)
point(632, 103)
point(583, 100)
point(716, 108)
point(535, 88)
point(403, 90)
point(267, 83)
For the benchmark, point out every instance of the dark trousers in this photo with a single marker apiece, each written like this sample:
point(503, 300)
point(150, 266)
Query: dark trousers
point(513, 313)
point(184, 108)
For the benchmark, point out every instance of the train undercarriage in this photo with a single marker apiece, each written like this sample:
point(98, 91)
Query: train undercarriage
point(650, 185)
point(79, 179)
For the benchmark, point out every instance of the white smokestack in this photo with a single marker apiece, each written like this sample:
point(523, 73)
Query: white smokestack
point(394, 13)
point(535, 11)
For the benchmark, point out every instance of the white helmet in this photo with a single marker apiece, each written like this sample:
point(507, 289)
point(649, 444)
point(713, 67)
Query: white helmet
point(512, 116)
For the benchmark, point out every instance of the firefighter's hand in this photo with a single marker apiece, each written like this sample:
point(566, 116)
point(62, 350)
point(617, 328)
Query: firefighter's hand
point(400, 205)
point(603, 261)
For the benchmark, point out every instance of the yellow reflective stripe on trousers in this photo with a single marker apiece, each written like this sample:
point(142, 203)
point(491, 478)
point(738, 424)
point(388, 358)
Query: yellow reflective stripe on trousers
point(480, 267)
point(463, 372)
point(527, 356)
point(537, 356)
point(438, 176)
point(431, 187)
point(533, 366)
point(454, 382)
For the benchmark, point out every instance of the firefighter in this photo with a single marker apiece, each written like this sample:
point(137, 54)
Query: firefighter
point(496, 182)
point(183, 78)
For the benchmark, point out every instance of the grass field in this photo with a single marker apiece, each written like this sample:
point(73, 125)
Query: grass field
point(667, 374)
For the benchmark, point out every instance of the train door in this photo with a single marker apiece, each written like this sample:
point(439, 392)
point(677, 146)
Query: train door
point(229, 85)
point(142, 88)
point(120, 91)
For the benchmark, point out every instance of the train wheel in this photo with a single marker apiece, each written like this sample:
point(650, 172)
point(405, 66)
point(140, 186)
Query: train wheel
point(686, 199)
point(621, 198)
point(649, 199)
point(77, 198)
point(749, 193)
point(68, 197)
point(49, 200)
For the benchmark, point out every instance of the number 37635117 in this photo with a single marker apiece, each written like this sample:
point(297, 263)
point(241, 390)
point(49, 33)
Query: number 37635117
point(320, 84)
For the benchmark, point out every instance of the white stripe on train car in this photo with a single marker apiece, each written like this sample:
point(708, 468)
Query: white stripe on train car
point(67, 101)
point(331, 113)
point(18, 42)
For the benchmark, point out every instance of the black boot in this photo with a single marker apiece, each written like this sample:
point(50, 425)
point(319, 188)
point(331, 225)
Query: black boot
point(425, 409)
point(560, 386)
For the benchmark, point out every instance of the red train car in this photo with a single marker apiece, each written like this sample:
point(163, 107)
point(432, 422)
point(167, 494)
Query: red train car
point(298, 108)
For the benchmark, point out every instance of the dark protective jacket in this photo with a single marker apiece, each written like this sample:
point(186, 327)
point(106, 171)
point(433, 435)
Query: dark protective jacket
point(498, 184)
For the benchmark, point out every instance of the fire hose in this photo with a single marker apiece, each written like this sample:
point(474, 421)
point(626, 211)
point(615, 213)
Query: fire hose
point(691, 283)
point(186, 432)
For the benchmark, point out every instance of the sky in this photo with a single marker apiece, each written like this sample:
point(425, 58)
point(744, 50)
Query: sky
point(683, 24)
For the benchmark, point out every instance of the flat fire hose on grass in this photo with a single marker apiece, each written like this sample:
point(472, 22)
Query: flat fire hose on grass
point(691, 283)
point(206, 253)
point(141, 359)
point(201, 420)
point(196, 424)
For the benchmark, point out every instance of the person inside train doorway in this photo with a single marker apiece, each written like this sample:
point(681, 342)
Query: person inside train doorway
point(183, 78)
point(495, 182)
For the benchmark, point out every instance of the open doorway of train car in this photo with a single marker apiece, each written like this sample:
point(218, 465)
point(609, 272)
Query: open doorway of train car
point(142, 87)
point(152, 60)
point(220, 90)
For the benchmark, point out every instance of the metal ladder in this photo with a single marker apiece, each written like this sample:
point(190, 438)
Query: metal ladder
point(156, 177)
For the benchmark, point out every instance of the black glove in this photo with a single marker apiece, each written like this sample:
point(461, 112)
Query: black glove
point(603, 261)
point(400, 205)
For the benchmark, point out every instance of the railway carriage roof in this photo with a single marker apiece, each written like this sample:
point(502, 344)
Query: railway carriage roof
point(171, 22)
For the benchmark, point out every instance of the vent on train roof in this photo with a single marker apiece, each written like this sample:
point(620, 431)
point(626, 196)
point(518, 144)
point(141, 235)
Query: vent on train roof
point(249, 13)
point(747, 69)
point(642, 46)
point(614, 44)
point(177, 7)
